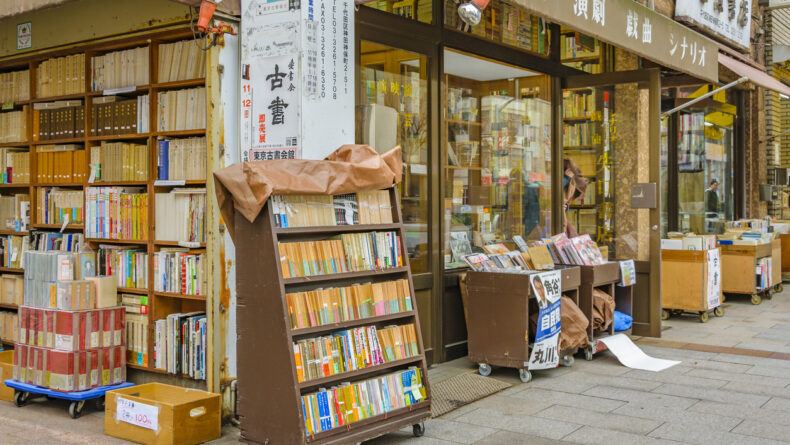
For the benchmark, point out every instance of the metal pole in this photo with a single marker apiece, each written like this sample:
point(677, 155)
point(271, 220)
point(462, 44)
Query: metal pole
point(705, 96)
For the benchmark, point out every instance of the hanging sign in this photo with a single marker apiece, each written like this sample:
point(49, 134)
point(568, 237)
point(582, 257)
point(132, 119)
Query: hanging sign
point(547, 287)
point(24, 35)
point(730, 20)
point(714, 279)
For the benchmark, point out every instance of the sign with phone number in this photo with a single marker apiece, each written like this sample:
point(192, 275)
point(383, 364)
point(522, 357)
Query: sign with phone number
point(136, 413)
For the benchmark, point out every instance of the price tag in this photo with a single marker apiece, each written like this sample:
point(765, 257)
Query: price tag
point(168, 183)
point(136, 413)
point(92, 177)
point(8, 105)
point(65, 223)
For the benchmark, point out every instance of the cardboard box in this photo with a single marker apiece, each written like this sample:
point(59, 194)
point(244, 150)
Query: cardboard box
point(112, 364)
point(62, 371)
point(6, 372)
point(20, 362)
point(186, 416)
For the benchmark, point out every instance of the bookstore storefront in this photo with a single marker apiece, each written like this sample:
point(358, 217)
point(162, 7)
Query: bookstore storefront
point(488, 117)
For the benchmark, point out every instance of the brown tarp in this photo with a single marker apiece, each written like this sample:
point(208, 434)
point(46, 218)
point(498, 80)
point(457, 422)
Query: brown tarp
point(245, 187)
point(603, 310)
point(573, 333)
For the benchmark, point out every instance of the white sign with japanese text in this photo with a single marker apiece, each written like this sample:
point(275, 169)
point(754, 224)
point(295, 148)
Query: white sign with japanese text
point(24, 35)
point(714, 279)
point(547, 287)
point(730, 19)
point(271, 96)
point(627, 273)
point(136, 413)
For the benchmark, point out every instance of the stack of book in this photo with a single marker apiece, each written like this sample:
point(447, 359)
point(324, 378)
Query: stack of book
point(177, 271)
point(136, 338)
point(8, 326)
point(335, 305)
point(134, 304)
point(57, 206)
point(182, 109)
point(15, 86)
point(181, 215)
point(577, 134)
point(12, 289)
point(180, 344)
point(120, 69)
point(368, 207)
point(15, 212)
point(116, 213)
point(764, 275)
point(129, 266)
point(181, 159)
point(116, 115)
point(353, 349)
point(353, 252)
point(13, 126)
point(63, 119)
point(14, 248)
point(353, 402)
point(182, 60)
point(60, 164)
point(47, 241)
point(61, 76)
point(119, 161)
point(577, 104)
point(580, 250)
point(15, 166)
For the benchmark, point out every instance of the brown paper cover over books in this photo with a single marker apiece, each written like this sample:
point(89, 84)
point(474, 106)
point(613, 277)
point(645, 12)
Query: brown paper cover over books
point(245, 187)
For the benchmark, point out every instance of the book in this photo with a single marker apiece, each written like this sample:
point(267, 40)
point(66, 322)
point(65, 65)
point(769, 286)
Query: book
point(365, 207)
point(11, 212)
point(15, 166)
point(183, 158)
point(62, 163)
point(136, 338)
point(116, 115)
point(181, 214)
point(54, 79)
point(13, 126)
point(47, 241)
point(116, 213)
point(63, 119)
point(120, 69)
point(15, 86)
point(127, 265)
point(180, 110)
point(181, 60)
point(335, 305)
point(180, 344)
point(119, 161)
point(58, 206)
point(12, 289)
point(8, 326)
point(179, 271)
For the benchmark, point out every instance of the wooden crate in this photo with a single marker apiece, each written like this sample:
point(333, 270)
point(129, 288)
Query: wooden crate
point(784, 240)
point(186, 416)
point(684, 278)
point(737, 267)
point(6, 372)
point(776, 266)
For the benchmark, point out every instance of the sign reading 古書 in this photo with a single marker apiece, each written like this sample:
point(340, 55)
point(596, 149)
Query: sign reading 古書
point(730, 20)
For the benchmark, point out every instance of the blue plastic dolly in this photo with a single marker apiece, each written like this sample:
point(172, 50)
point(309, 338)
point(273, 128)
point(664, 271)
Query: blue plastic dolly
point(78, 398)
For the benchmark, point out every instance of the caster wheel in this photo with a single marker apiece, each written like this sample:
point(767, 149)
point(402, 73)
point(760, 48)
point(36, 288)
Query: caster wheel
point(665, 314)
point(756, 299)
point(484, 369)
point(524, 375)
point(768, 295)
point(703, 317)
point(75, 409)
point(568, 360)
point(21, 398)
point(779, 288)
point(418, 429)
point(100, 404)
point(719, 311)
point(588, 354)
point(677, 312)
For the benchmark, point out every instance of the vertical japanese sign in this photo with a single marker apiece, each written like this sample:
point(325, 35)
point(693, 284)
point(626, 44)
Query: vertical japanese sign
point(627, 273)
point(714, 279)
point(24, 35)
point(270, 107)
point(547, 287)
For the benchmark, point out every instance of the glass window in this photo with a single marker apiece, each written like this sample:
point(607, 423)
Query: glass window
point(497, 130)
point(420, 10)
point(392, 109)
point(503, 22)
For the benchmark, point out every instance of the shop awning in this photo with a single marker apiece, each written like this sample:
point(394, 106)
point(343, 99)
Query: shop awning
point(755, 75)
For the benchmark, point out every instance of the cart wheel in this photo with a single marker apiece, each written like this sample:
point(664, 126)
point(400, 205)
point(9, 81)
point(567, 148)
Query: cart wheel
point(75, 409)
point(768, 294)
point(703, 317)
point(719, 311)
point(484, 369)
point(779, 288)
point(524, 375)
point(21, 398)
point(756, 299)
point(568, 360)
point(677, 312)
point(100, 404)
point(418, 429)
point(588, 353)
point(665, 314)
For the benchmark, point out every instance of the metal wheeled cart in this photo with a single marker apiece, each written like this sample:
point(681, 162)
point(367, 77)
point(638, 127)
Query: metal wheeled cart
point(23, 391)
point(738, 265)
point(685, 276)
point(498, 307)
point(604, 277)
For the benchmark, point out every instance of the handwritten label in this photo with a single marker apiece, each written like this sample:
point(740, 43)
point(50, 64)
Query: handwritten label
point(166, 183)
point(136, 413)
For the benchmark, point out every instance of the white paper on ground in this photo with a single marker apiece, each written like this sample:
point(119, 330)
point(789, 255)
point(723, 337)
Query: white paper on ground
point(631, 356)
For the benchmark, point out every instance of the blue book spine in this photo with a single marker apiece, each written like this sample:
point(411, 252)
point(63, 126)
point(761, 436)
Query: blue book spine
point(164, 147)
point(326, 416)
point(385, 393)
point(406, 378)
point(304, 416)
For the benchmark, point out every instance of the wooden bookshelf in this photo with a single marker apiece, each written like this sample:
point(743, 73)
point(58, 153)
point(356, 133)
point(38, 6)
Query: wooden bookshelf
point(150, 245)
point(274, 393)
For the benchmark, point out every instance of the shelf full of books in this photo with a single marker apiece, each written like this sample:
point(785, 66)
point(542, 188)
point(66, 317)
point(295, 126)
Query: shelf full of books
point(82, 146)
point(353, 334)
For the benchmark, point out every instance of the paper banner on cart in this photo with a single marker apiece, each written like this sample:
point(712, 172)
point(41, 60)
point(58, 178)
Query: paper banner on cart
point(627, 273)
point(270, 107)
point(547, 287)
point(714, 279)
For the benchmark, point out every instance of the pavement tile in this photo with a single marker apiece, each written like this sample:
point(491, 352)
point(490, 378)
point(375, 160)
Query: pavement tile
point(569, 383)
point(506, 404)
point(741, 412)
point(623, 381)
point(608, 421)
point(764, 345)
point(628, 395)
point(406, 438)
point(664, 414)
point(678, 354)
point(778, 335)
point(689, 433)
point(550, 429)
point(717, 395)
point(717, 366)
point(781, 327)
point(778, 403)
point(746, 379)
point(683, 379)
point(511, 438)
point(560, 398)
point(769, 371)
point(763, 430)
point(458, 432)
point(597, 436)
point(763, 390)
